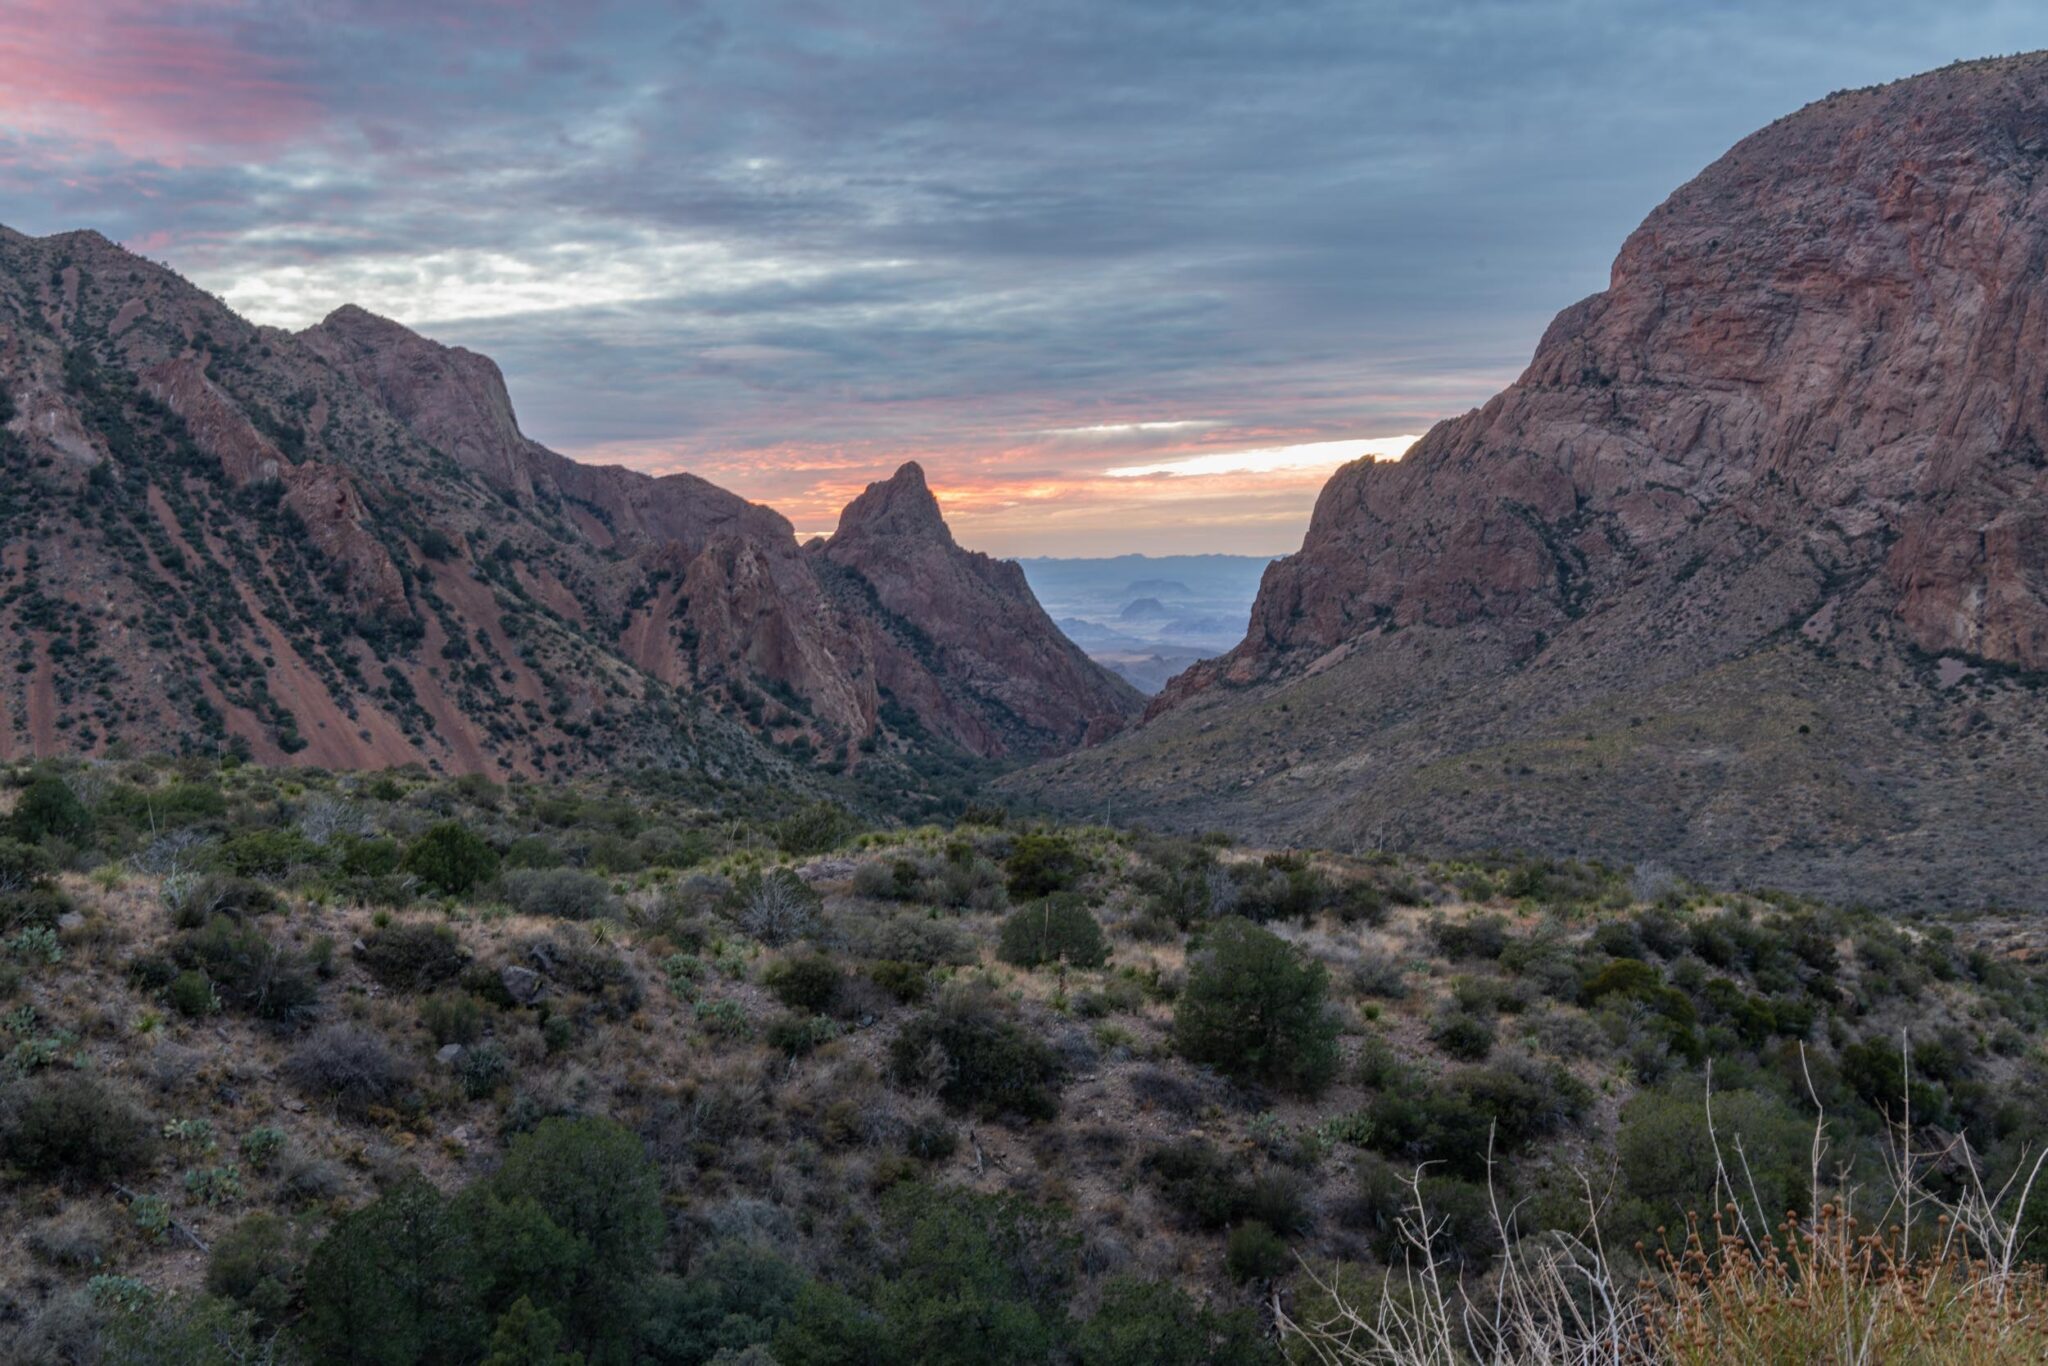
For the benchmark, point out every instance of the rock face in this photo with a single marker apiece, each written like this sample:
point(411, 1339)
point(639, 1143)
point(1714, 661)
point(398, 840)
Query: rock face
point(969, 635)
point(1794, 460)
point(338, 547)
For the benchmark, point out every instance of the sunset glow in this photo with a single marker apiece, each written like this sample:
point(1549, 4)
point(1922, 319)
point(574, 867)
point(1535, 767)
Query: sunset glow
point(788, 253)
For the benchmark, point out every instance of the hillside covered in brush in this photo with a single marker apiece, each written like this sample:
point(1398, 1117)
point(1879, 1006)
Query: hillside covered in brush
point(337, 547)
point(380, 1067)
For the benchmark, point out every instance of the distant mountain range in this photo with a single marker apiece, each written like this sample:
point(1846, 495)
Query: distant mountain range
point(1150, 617)
point(1745, 577)
point(337, 547)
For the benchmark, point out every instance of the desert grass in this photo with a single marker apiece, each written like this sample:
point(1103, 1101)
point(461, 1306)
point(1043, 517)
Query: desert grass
point(1935, 1281)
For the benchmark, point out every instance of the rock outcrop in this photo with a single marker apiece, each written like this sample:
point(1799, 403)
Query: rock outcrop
point(1007, 680)
point(1798, 440)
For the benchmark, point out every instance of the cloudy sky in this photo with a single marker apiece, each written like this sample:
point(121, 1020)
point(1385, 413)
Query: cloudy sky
point(1124, 274)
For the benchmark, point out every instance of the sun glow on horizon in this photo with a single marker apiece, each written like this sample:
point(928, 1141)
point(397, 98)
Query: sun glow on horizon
point(1304, 456)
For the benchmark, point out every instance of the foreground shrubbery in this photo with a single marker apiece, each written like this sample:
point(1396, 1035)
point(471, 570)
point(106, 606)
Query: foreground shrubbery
point(243, 1009)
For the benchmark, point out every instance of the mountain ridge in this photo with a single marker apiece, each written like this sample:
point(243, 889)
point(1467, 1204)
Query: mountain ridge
point(337, 546)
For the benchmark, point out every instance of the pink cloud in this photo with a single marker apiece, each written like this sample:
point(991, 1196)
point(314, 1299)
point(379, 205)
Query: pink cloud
point(166, 82)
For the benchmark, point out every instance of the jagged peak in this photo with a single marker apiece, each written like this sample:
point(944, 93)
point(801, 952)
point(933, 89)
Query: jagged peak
point(901, 505)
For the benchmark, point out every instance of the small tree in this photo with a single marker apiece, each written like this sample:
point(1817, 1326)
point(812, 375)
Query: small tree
point(1254, 1009)
point(450, 859)
point(1040, 865)
point(49, 808)
point(1057, 929)
point(976, 1057)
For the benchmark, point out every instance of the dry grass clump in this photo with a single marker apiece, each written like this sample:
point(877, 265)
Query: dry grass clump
point(1829, 1291)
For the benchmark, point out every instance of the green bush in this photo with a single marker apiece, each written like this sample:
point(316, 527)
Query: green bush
point(249, 972)
point(909, 983)
point(977, 1057)
point(192, 995)
point(412, 955)
point(1255, 1253)
point(453, 1017)
point(1058, 929)
point(266, 853)
point(70, 1126)
point(1041, 864)
point(49, 809)
point(1452, 1120)
point(818, 828)
point(1152, 1323)
point(558, 893)
point(1463, 1035)
point(22, 866)
point(1476, 936)
point(1209, 1191)
point(256, 1265)
point(1254, 1009)
point(361, 856)
point(451, 860)
point(808, 982)
point(1666, 1156)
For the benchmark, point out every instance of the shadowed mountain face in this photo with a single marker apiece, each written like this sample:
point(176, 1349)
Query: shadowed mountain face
point(337, 547)
point(1747, 574)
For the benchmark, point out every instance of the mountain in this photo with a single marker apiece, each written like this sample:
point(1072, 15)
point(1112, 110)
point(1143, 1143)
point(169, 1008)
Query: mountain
point(337, 547)
point(1747, 574)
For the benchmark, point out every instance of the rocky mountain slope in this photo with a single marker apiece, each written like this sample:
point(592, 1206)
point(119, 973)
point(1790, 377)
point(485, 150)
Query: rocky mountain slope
point(337, 547)
point(1747, 573)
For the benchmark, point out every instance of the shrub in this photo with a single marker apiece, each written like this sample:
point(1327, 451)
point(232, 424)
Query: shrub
point(1255, 1253)
point(22, 866)
point(1211, 1191)
point(560, 893)
point(247, 971)
point(362, 856)
point(194, 900)
point(1041, 864)
point(49, 809)
point(71, 1126)
point(977, 1058)
point(819, 827)
point(450, 859)
point(192, 995)
point(774, 907)
point(1667, 1160)
point(1152, 1323)
point(482, 1069)
point(599, 1195)
point(798, 1035)
point(909, 983)
point(1477, 936)
point(1057, 929)
point(255, 1265)
point(1454, 1119)
point(453, 1017)
point(348, 1065)
point(808, 982)
point(1463, 1035)
point(266, 853)
point(1254, 1009)
point(413, 955)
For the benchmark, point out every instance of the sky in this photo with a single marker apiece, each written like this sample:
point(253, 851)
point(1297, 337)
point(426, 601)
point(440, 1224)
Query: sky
point(1124, 275)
